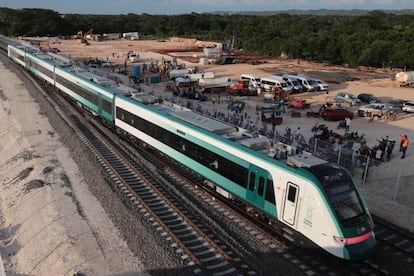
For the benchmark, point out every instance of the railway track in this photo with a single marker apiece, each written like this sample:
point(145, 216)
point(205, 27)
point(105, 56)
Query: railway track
point(311, 261)
point(193, 240)
point(395, 239)
point(182, 225)
point(394, 246)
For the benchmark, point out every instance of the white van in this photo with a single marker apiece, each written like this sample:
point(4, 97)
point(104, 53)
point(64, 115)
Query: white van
point(268, 83)
point(254, 81)
point(297, 87)
point(286, 86)
point(308, 83)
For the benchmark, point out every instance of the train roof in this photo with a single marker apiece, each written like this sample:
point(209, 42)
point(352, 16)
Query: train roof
point(105, 82)
point(204, 122)
point(44, 56)
point(260, 144)
point(110, 85)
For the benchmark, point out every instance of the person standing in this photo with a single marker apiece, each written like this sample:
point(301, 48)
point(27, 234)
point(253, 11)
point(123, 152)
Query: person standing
point(402, 138)
point(347, 124)
point(390, 148)
point(404, 146)
point(297, 133)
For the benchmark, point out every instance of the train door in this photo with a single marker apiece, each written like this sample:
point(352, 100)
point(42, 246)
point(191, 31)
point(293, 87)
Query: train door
point(99, 104)
point(291, 200)
point(256, 186)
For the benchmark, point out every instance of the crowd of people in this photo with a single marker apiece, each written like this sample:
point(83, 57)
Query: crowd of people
point(381, 152)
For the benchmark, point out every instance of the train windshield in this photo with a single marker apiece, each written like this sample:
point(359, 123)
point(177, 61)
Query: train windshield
point(341, 193)
point(345, 202)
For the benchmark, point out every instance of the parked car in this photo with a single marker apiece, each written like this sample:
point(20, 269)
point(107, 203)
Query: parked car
point(368, 98)
point(397, 103)
point(54, 50)
point(298, 103)
point(197, 95)
point(133, 57)
point(408, 106)
point(348, 98)
point(335, 114)
point(323, 86)
point(108, 64)
point(373, 109)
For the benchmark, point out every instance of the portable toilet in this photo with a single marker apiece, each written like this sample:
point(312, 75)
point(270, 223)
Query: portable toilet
point(136, 70)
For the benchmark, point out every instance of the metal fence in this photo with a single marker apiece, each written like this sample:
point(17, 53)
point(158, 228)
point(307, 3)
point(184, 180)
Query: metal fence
point(364, 168)
point(393, 185)
point(395, 188)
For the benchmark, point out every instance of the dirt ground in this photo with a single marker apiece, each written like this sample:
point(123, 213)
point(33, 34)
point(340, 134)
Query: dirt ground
point(189, 51)
point(50, 223)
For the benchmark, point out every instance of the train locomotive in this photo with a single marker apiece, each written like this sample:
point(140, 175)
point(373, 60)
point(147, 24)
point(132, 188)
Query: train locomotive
point(306, 195)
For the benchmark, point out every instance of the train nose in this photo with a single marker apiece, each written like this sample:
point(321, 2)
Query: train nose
point(358, 248)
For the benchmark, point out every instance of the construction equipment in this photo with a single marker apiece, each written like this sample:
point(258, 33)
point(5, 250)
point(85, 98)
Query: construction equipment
point(272, 114)
point(242, 88)
point(82, 37)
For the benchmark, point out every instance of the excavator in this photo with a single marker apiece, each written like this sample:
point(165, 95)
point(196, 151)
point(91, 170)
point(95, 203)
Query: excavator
point(82, 36)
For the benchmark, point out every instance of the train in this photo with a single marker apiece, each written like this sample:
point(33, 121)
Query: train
point(296, 191)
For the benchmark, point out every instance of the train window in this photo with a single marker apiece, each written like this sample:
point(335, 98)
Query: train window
point(345, 201)
point(225, 167)
point(252, 180)
point(90, 96)
point(261, 186)
point(292, 194)
point(270, 193)
point(107, 106)
point(34, 65)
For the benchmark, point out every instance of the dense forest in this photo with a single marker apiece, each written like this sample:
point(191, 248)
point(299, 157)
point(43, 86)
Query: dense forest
point(373, 39)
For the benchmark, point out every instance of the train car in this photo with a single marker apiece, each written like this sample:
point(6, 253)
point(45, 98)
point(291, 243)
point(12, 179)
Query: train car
point(17, 53)
point(5, 42)
point(92, 96)
point(308, 195)
point(73, 82)
point(42, 66)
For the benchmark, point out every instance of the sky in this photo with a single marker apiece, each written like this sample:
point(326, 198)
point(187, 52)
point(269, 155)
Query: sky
point(169, 7)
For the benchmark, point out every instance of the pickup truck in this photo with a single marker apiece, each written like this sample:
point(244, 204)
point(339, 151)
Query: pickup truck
point(373, 109)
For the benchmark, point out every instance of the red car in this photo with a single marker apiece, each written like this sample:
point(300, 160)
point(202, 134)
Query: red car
point(335, 114)
point(298, 103)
